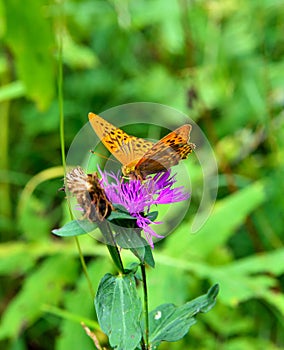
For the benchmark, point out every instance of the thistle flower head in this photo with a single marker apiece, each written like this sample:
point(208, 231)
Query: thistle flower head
point(137, 197)
point(97, 197)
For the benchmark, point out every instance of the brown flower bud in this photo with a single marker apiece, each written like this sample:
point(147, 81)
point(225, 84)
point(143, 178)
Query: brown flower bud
point(89, 194)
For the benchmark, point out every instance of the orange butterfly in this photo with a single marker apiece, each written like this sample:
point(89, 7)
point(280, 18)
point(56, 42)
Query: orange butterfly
point(140, 157)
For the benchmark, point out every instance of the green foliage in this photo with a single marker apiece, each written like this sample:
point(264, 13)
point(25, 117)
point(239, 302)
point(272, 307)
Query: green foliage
point(234, 208)
point(71, 335)
point(119, 309)
point(171, 323)
point(75, 228)
point(29, 36)
point(220, 62)
point(42, 286)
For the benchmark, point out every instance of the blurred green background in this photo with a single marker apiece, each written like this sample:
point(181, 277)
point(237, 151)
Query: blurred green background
point(221, 62)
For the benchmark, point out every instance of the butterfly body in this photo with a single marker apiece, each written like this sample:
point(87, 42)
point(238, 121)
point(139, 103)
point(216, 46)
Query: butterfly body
point(141, 157)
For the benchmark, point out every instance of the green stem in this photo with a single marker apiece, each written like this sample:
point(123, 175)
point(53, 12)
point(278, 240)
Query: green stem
point(70, 316)
point(146, 310)
point(84, 267)
point(5, 205)
point(62, 145)
point(60, 102)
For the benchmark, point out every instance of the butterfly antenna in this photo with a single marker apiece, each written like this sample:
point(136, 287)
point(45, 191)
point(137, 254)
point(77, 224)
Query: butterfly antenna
point(104, 157)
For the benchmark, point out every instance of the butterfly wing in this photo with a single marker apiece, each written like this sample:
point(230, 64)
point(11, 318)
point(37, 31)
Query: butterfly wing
point(126, 148)
point(167, 152)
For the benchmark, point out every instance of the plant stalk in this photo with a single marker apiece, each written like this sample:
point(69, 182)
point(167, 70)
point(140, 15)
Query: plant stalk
point(146, 308)
point(62, 145)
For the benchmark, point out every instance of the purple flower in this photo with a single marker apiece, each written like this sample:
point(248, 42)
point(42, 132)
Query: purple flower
point(137, 197)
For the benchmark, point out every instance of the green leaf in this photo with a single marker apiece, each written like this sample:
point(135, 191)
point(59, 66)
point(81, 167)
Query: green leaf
point(33, 52)
point(267, 263)
point(139, 252)
point(77, 56)
point(248, 342)
point(115, 255)
point(133, 268)
point(129, 238)
point(32, 221)
point(120, 215)
point(253, 277)
point(144, 254)
point(75, 228)
point(72, 335)
point(170, 323)
point(148, 258)
point(119, 310)
point(227, 216)
point(15, 258)
point(153, 215)
point(164, 289)
point(45, 285)
point(12, 91)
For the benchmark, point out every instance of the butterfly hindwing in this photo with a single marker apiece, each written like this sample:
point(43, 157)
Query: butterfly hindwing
point(167, 152)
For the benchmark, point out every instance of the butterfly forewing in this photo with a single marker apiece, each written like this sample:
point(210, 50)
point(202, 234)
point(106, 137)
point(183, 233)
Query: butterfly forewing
point(124, 147)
